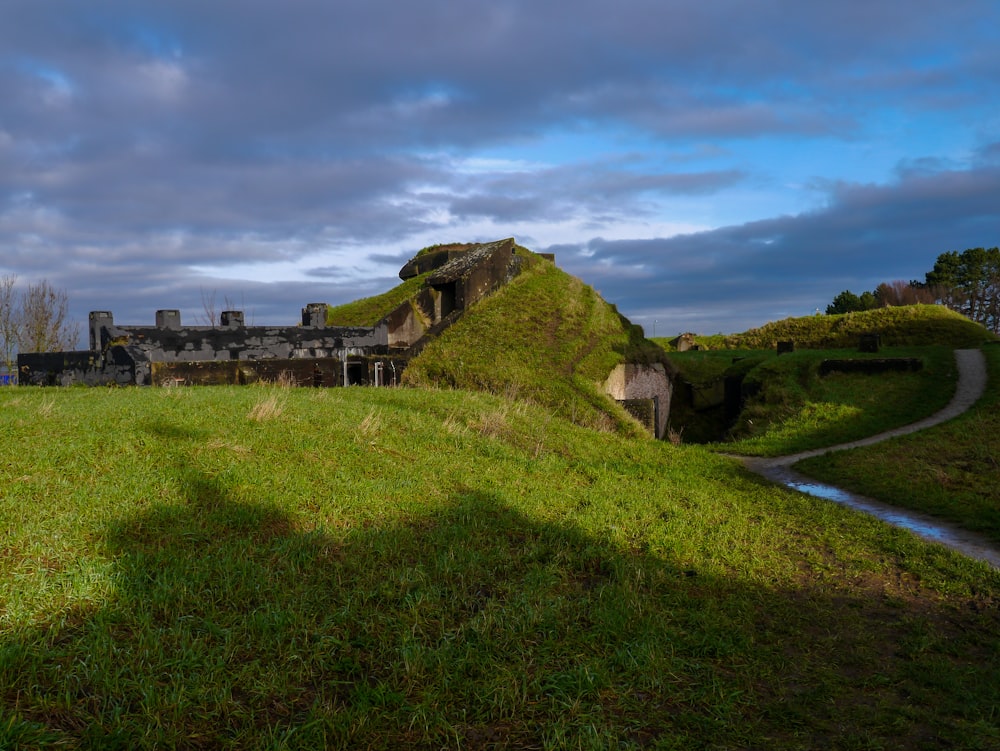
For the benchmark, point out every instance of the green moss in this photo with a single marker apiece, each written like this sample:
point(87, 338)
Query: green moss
point(370, 310)
point(442, 247)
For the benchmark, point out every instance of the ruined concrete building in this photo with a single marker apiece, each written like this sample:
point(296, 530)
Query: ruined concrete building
point(314, 353)
point(311, 353)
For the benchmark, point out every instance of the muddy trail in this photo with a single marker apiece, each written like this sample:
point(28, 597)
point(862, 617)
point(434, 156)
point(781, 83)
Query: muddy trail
point(971, 385)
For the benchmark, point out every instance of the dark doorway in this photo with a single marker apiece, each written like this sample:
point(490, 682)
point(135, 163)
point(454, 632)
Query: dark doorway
point(354, 374)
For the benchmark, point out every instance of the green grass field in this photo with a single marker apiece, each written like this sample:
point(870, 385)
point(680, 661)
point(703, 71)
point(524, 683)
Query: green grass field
point(950, 471)
point(795, 409)
point(276, 568)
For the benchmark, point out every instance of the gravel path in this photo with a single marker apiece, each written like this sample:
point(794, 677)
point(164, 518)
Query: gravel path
point(971, 385)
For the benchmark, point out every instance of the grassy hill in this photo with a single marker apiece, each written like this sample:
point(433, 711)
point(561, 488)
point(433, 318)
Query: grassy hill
point(271, 568)
point(257, 567)
point(546, 338)
point(791, 408)
point(910, 325)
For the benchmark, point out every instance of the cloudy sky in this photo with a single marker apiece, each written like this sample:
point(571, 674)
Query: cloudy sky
point(707, 165)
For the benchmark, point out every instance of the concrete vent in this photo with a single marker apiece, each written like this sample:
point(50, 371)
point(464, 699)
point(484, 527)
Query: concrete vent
point(232, 319)
point(99, 318)
point(314, 315)
point(168, 319)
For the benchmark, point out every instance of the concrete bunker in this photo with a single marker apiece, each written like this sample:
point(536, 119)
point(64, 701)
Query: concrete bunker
point(310, 353)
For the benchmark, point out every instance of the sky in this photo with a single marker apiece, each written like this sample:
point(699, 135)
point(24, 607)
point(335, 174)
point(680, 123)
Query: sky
point(706, 166)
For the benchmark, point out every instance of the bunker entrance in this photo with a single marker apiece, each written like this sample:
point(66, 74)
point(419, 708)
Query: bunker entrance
point(354, 373)
point(448, 295)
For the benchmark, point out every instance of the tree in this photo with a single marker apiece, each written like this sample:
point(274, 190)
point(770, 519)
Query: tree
point(868, 301)
point(208, 307)
point(10, 321)
point(898, 293)
point(887, 294)
point(845, 302)
point(36, 320)
point(969, 282)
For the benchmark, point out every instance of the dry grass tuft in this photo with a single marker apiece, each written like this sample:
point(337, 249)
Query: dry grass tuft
point(492, 424)
point(453, 425)
point(371, 426)
point(267, 408)
point(286, 380)
point(226, 445)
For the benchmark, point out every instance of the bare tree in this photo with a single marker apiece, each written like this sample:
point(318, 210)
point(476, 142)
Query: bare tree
point(230, 303)
point(10, 320)
point(44, 320)
point(899, 293)
point(208, 307)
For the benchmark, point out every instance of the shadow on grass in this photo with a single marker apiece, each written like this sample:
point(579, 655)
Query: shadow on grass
point(237, 626)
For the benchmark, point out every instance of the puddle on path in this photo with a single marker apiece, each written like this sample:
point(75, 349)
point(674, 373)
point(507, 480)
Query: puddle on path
point(971, 384)
point(927, 527)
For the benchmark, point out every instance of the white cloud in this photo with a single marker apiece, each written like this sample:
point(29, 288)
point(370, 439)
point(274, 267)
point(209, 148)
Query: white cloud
point(162, 79)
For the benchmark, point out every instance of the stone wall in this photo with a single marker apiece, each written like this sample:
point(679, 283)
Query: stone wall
point(319, 372)
point(631, 382)
point(171, 342)
point(71, 368)
point(314, 354)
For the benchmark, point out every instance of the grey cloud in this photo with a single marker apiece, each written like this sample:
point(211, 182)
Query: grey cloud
point(294, 74)
point(503, 208)
point(139, 140)
point(990, 153)
point(867, 235)
point(559, 193)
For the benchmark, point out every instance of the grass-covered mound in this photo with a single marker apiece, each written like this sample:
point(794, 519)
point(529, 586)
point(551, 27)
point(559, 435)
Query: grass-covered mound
point(908, 325)
point(789, 407)
point(547, 338)
point(368, 311)
point(256, 567)
point(905, 326)
point(794, 408)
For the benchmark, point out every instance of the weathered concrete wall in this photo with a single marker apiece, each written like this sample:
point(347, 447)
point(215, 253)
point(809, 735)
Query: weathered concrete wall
point(325, 372)
point(81, 367)
point(475, 274)
point(431, 260)
point(199, 343)
point(470, 273)
point(408, 323)
point(634, 382)
point(171, 342)
point(643, 410)
point(684, 343)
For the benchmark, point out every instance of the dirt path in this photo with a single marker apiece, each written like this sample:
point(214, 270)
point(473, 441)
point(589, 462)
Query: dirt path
point(971, 385)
